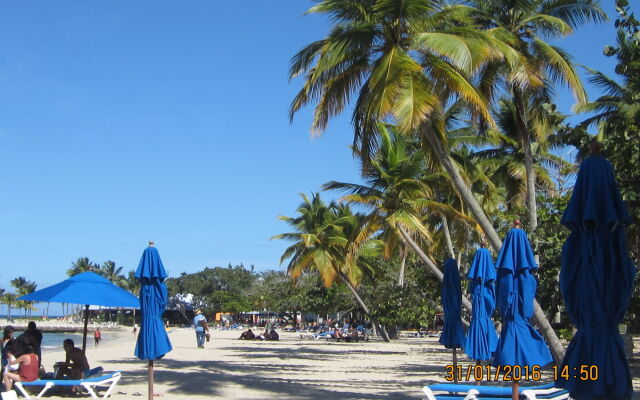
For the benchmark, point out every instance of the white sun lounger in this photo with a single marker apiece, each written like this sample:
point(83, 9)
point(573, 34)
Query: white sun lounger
point(449, 391)
point(110, 380)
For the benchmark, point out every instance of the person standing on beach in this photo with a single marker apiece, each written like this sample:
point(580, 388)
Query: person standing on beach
point(97, 336)
point(200, 324)
point(33, 337)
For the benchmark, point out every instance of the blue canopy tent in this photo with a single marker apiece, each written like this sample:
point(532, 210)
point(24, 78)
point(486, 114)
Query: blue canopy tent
point(153, 342)
point(519, 343)
point(87, 288)
point(452, 336)
point(596, 280)
point(481, 337)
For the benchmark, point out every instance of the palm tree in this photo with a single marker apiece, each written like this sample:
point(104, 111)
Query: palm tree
point(82, 264)
point(327, 238)
point(131, 283)
point(111, 272)
point(397, 195)
point(9, 299)
point(524, 26)
point(24, 287)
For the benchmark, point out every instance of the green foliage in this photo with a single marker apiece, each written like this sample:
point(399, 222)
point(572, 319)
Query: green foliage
point(410, 306)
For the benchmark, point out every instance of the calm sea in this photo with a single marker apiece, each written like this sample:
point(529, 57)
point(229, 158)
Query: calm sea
point(54, 340)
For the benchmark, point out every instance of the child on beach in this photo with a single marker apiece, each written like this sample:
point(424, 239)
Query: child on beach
point(27, 371)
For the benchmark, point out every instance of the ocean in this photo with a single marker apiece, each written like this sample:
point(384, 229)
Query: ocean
point(51, 340)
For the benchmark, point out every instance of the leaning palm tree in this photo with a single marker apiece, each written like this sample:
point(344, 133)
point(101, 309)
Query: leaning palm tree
point(327, 238)
point(111, 272)
point(525, 26)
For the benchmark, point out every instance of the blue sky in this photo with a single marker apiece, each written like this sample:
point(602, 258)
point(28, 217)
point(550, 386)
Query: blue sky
point(122, 122)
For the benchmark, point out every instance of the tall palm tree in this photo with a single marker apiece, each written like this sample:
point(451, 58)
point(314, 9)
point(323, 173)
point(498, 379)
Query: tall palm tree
point(327, 238)
point(24, 287)
point(525, 26)
point(82, 264)
point(404, 59)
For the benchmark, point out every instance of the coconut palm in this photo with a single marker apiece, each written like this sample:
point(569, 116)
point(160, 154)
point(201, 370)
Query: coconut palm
point(111, 272)
point(131, 283)
point(525, 26)
point(327, 238)
point(24, 287)
point(8, 299)
point(82, 264)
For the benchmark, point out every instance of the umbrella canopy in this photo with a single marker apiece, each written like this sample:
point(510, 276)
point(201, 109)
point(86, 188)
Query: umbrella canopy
point(87, 288)
point(153, 341)
point(519, 343)
point(596, 281)
point(452, 333)
point(481, 336)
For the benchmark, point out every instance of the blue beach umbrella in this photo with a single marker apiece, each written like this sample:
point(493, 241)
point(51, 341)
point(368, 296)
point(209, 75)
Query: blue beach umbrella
point(596, 280)
point(87, 288)
point(519, 343)
point(452, 336)
point(481, 336)
point(153, 342)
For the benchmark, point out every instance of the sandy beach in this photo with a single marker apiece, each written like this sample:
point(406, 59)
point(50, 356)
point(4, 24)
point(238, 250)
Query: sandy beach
point(292, 368)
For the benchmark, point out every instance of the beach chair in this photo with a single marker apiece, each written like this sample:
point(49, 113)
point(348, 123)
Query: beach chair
point(450, 391)
point(89, 384)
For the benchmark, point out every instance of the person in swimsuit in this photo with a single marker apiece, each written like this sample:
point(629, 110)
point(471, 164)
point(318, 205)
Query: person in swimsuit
point(28, 368)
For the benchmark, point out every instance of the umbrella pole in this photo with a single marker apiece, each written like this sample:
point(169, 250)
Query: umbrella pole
point(150, 379)
point(455, 365)
point(515, 393)
point(84, 332)
point(478, 362)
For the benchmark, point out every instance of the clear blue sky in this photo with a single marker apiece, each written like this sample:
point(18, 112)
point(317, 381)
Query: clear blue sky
point(122, 122)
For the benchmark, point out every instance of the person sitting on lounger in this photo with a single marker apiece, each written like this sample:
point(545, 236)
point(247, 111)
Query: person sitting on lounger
point(337, 334)
point(75, 366)
point(248, 335)
point(28, 367)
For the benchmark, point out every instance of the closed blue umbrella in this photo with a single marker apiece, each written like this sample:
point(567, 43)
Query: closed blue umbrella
point(153, 342)
point(452, 336)
point(519, 343)
point(481, 336)
point(87, 288)
point(596, 280)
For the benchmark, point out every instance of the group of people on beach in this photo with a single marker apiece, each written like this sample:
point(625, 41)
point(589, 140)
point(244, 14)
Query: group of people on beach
point(266, 335)
point(202, 331)
point(22, 358)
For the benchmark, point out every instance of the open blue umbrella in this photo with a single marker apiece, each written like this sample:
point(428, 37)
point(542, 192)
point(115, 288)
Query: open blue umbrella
point(481, 336)
point(596, 280)
point(452, 336)
point(519, 344)
point(153, 342)
point(87, 288)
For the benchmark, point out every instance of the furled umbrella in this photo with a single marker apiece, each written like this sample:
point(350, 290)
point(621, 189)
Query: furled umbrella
point(153, 342)
point(87, 288)
point(452, 336)
point(481, 336)
point(519, 345)
point(596, 280)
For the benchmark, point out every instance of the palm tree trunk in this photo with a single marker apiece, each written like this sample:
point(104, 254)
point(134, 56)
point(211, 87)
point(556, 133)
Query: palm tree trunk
point(381, 328)
point(525, 141)
point(430, 264)
point(464, 191)
point(447, 235)
point(402, 265)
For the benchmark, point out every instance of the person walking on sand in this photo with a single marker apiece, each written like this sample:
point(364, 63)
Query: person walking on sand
point(201, 327)
point(97, 336)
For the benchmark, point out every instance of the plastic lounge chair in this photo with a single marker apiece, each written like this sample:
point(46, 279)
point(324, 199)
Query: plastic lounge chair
point(450, 391)
point(110, 380)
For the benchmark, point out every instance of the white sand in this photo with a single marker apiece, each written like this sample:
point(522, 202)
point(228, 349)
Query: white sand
point(289, 369)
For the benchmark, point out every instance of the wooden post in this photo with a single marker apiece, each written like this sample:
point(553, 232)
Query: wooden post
point(84, 333)
point(150, 379)
point(455, 365)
